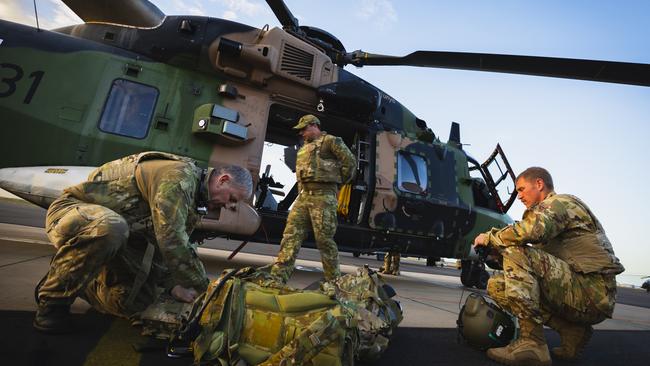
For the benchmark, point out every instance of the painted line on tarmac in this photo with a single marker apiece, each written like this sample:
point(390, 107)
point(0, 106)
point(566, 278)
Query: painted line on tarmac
point(20, 240)
point(25, 260)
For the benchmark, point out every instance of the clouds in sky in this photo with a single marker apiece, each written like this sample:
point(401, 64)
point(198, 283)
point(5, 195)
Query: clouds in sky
point(381, 13)
point(17, 11)
point(236, 8)
point(51, 13)
point(61, 16)
point(188, 7)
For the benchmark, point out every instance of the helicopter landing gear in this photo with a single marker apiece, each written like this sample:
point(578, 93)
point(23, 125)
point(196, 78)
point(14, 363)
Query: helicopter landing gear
point(431, 261)
point(473, 274)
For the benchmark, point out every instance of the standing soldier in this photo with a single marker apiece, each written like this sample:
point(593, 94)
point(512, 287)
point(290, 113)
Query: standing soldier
point(323, 162)
point(124, 233)
point(565, 280)
point(391, 263)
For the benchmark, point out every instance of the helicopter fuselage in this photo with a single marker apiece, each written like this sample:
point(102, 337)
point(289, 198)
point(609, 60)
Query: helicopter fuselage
point(216, 91)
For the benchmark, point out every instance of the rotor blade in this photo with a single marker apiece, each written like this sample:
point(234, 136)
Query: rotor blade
point(594, 70)
point(136, 13)
point(283, 14)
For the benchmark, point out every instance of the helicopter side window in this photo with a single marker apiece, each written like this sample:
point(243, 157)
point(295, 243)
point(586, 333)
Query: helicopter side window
point(411, 173)
point(128, 109)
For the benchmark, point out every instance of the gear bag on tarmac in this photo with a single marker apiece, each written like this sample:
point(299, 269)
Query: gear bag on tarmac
point(242, 320)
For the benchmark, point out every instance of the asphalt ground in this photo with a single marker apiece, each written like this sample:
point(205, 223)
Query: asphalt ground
point(104, 340)
point(26, 214)
point(429, 296)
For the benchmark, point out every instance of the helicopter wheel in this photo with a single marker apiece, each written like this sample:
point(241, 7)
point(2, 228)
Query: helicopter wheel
point(465, 273)
point(481, 279)
point(473, 274)
point(431, 261)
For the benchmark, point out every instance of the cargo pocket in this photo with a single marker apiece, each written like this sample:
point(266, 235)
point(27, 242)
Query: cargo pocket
point(72, 223)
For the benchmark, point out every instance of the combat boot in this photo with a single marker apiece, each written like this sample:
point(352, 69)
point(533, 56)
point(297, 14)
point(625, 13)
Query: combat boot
point(529, 349)
point(53, 318)
point(574, 338)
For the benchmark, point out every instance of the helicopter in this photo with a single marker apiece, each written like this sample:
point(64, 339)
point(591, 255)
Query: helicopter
point(132, 79)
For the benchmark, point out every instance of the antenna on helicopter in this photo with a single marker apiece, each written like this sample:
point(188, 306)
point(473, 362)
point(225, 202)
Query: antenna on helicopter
point(38, 28)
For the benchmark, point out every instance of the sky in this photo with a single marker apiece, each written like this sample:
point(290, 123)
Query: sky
point(591, 136)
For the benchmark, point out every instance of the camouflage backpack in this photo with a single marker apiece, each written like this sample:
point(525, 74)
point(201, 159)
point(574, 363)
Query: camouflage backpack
point(240, 320)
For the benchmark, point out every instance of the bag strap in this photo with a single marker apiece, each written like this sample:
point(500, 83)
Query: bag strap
point(143, 273)
point(320, 334)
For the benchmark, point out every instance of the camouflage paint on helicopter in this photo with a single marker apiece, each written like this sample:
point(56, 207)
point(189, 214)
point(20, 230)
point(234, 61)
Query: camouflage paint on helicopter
point(80, 84)
point(216, 90)
point(424, 189)
point(82, 75)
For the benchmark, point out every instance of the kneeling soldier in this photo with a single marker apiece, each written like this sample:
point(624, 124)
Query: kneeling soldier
point(124, 233)
point(565, 280)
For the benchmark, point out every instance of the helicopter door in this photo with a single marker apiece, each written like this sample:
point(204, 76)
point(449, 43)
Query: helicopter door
point(404, 187)
point(384, 202)
point(497, 166)
point(416, 188)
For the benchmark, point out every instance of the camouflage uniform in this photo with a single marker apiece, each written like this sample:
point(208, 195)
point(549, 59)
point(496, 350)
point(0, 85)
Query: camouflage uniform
point(321, 165)
point(569, 271)
point(123, 234)
point(391, 263)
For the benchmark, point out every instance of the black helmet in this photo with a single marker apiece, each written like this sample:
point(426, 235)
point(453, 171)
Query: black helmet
point(483, 324)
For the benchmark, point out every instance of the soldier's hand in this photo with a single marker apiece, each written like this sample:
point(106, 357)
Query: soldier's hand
point(481, 240)
point(183, 294)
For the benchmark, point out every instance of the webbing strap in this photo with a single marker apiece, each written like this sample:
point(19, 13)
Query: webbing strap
point(235, 319)
point(320, 333)
point(143, 273)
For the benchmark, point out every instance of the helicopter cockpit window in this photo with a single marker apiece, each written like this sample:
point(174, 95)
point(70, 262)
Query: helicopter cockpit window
point(411, 173)
point(128, 109)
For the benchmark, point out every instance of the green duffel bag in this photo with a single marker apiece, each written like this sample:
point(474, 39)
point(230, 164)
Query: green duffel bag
point(244, 319)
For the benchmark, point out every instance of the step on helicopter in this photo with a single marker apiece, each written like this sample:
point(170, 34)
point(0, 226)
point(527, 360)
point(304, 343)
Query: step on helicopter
point(131, 79)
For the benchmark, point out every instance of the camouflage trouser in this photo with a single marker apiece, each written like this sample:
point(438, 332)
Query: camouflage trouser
point(92, 259)
point(310, 211)
point(391, 263)
point(536, 285)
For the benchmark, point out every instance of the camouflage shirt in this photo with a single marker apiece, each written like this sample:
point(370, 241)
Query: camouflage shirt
point(155, 193)
point(325, 160)
point(565, 227)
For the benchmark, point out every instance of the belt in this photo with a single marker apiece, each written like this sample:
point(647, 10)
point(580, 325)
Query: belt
point(318, 191)
point(312, 188)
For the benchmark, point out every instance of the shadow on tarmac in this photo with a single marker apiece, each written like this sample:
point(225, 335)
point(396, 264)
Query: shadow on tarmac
point(105, 340)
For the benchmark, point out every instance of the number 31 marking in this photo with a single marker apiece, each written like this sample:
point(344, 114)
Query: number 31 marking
point(11, 81)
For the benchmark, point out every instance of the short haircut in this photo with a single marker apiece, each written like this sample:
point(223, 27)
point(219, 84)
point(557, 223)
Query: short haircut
point(240, 177)
point(535, 172)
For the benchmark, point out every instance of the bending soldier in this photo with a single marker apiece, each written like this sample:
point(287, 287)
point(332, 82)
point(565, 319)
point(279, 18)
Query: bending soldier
point(565, 279)
point(323, 162)
point(123, 235)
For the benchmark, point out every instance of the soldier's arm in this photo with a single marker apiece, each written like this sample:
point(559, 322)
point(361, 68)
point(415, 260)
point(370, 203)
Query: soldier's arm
point(539, 225)
point(169, 208)
point(346, 158)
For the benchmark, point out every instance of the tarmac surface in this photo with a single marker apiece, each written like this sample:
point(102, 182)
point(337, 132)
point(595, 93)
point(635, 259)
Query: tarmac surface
point(431, 299)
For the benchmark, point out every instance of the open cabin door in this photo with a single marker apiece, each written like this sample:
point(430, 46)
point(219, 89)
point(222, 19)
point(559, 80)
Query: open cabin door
point(497, 165)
